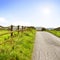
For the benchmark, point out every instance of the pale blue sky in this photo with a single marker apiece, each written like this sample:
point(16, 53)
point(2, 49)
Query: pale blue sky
point(43, 13)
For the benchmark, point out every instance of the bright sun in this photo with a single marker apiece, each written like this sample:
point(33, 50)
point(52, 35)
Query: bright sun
point(46, 11)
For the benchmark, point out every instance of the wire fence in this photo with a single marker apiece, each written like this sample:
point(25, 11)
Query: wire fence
point(11, 31)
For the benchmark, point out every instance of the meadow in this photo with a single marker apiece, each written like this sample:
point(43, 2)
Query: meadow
point(55, 32)
point(18, 47)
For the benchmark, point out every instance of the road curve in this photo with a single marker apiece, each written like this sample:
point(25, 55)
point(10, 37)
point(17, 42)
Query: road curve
point(47, 47)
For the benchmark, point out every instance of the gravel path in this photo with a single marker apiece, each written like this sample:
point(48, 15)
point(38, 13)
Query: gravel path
point(47, 47)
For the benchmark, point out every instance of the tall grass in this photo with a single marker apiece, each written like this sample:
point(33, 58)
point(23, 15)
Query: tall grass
point(56, 33)
point(19, 47)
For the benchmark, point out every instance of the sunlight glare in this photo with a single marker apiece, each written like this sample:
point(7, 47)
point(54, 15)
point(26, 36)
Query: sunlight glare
point(46, 11)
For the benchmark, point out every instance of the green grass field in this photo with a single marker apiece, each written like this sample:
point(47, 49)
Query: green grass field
point(3, 31)
point(56, 33)
point(19, 47)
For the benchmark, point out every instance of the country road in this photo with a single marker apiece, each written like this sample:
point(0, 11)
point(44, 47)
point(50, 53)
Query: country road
point(46, 47)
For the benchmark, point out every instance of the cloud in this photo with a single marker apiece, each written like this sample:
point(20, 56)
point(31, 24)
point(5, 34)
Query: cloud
point(22, 23)
point(2, 20)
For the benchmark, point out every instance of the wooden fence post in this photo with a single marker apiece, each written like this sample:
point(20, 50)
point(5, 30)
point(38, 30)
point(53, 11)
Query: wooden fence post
point(22, 29)
point(11, 30)
point(18, 28)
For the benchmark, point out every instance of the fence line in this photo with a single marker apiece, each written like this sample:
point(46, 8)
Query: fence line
point(12, 31)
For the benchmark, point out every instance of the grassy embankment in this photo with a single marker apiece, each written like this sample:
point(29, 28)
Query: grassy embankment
point(56, 33)
point(19, 47)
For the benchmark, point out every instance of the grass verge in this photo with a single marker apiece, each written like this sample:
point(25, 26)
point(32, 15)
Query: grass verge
point(56, 33)
point(19, 47)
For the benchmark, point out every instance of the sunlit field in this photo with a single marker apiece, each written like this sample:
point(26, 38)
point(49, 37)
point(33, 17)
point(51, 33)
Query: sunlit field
point(56, 33)
point(18, 47)
point(3, 31)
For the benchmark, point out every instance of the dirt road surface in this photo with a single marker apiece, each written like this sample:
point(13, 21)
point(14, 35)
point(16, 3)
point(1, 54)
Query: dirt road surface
point(46, 47)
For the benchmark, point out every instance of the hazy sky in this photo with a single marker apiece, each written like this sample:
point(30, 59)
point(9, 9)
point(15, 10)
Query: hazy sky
point(44, 13)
